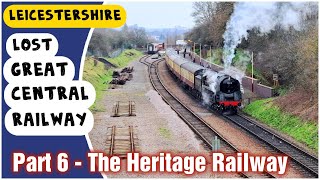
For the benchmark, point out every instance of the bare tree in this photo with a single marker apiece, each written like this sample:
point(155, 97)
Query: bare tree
point(138, 36)
point(211, 19)
point(203, 11)
point(104, 41)
point(218, 22)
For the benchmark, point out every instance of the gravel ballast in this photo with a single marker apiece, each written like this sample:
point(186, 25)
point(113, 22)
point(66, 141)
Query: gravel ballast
point(157, 127)
point(235, 135)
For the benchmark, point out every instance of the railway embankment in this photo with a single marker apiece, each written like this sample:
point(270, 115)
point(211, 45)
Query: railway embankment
point(99, 74)
point(267, 111)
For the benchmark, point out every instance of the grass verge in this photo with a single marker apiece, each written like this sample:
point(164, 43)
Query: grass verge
point(165, 133)
point(100, 77)
point(125, 57)
point(303, 131)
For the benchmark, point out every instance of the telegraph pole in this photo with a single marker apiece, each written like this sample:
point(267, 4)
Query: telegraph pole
point(252, 71)
point(194, 50)
point(200, 53)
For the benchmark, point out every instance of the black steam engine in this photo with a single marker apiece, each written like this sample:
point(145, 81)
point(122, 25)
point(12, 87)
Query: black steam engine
point(223, 94)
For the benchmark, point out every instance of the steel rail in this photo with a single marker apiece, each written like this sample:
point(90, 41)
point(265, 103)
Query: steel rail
point(196, 123)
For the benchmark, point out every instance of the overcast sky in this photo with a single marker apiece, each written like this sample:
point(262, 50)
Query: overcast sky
point(158, 14)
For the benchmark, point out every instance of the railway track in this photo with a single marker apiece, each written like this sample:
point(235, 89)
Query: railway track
point(123, 109)
point(121, 141)
point(304, 159)
point(196, 123)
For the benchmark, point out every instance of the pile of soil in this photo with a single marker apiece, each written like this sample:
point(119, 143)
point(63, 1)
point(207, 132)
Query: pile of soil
point(299, 103)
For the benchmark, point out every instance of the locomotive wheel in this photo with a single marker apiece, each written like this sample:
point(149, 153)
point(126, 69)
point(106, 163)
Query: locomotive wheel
point(218, 108)
point(221, 109)
point(235, 110)
point(231, 110)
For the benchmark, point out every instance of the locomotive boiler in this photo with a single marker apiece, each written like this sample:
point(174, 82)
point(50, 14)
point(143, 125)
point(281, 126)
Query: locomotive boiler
point(221, 91)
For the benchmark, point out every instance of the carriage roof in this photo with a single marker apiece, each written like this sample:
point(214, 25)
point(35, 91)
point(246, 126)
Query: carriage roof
point(192, 67)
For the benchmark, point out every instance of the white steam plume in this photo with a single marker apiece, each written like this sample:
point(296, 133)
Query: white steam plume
point(212, 78)
point(263, 16)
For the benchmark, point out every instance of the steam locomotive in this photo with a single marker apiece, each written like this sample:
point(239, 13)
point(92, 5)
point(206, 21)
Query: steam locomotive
point(222, 92)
